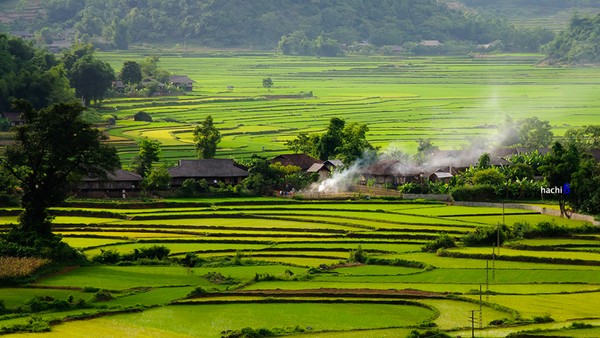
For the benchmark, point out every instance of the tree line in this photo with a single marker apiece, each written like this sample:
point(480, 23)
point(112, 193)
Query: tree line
point(263, 23)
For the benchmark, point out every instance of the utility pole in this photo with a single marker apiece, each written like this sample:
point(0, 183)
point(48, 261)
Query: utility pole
point(480, 308)
point(494, 262)
point(487, 280)
point(472, 323)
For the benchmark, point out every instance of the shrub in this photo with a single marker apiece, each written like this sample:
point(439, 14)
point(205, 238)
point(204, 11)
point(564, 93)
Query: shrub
point(485, 235)
point(428, 334)
point(443, 241)
point(482, 192)
point(543, 319)
point(488, 177)
point(107, 257)
point(358, 255)
point(142, 116)
point(197, 292)
point(102, 296)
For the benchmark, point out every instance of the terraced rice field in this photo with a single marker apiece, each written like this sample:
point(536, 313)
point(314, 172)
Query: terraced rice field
point(284, 264)
point(452, 100)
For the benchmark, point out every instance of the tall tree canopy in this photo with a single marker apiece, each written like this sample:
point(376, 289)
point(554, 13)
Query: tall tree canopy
point(207, 136)
point(91, 78)
point(264, 22)
point(30, 74)
point(53, 148)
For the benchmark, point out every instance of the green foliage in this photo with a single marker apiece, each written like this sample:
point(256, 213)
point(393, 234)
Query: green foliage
point(158, 179)
point(534, 133)
point(316, 27)
point(585, 138)
point(358, 255)
point(197, 292)
point(577, 43)
point(206, 137)
point(149, 153)
point(102, 296)
point(45, 162)
point(131, 73)
point(30, 74)
point(477, 193)
point(91, 78)
point(443, 241)
point(486, 236)
point(428, 334)
point(107, 257)
point(267, 82)
point(543, 319)
point(142, 116)
point(491, 177)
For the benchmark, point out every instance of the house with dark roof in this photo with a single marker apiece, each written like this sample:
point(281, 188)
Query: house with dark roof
point(321, 169)
point(392, 172)
point(182, 81)
point(213, 171)
point(116, 184)
point(299, 160)
point(457, 161)
point(14, 119)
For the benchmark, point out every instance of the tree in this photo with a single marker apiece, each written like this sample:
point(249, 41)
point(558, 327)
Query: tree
point(535, 133)
point(131, 73)
point(157, 179)
point(53, 148)
point(560, 165)
point(585, 138)
point(331, 140)
point(91, 78)
point(484, 161)
point(424, 150)
point(354, 142)
point(267, 83)
point(149, 152)
point(206, 137)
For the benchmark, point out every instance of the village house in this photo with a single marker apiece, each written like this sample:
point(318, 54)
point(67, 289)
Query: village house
point(299, 160)
point(182, 82)
point(118, 184)
point(213, 171)
point(458, 161)
point(13, 118)
point(392, 172)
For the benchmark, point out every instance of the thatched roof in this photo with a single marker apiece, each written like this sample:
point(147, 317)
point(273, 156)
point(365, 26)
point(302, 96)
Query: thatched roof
point(392, 168)
point(316, 167)
point(207, 168)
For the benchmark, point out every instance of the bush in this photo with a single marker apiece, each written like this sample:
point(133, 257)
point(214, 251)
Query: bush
point(102, 296)
point(543, 319)
point(197, 292)
point(142, 116)
point(443, 241)
point(107, 257)
point(482, 192)
point(428, 334)
point(358, 255)
point(486, 235)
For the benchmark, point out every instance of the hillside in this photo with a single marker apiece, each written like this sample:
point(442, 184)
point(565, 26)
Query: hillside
point(578, 44)
point(262, 23)
point(549, 14)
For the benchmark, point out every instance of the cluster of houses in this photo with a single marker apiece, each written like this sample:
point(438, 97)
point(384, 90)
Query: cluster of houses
point(441, 167)
point(182, 82)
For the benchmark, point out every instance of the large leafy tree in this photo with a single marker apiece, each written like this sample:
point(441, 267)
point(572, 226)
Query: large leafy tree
point(30, 74)
point(149, 153)
point(53, 148)
point(131, 73)
point(206, 136)
point(560, 165)
point(91, 78)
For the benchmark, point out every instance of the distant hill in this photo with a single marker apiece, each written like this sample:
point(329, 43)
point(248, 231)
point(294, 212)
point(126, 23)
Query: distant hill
point(550, 14)
point(578, 44)
point(262, 23)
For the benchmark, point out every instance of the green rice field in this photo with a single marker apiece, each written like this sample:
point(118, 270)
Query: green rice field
point(292, 274)
point(452, 100)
